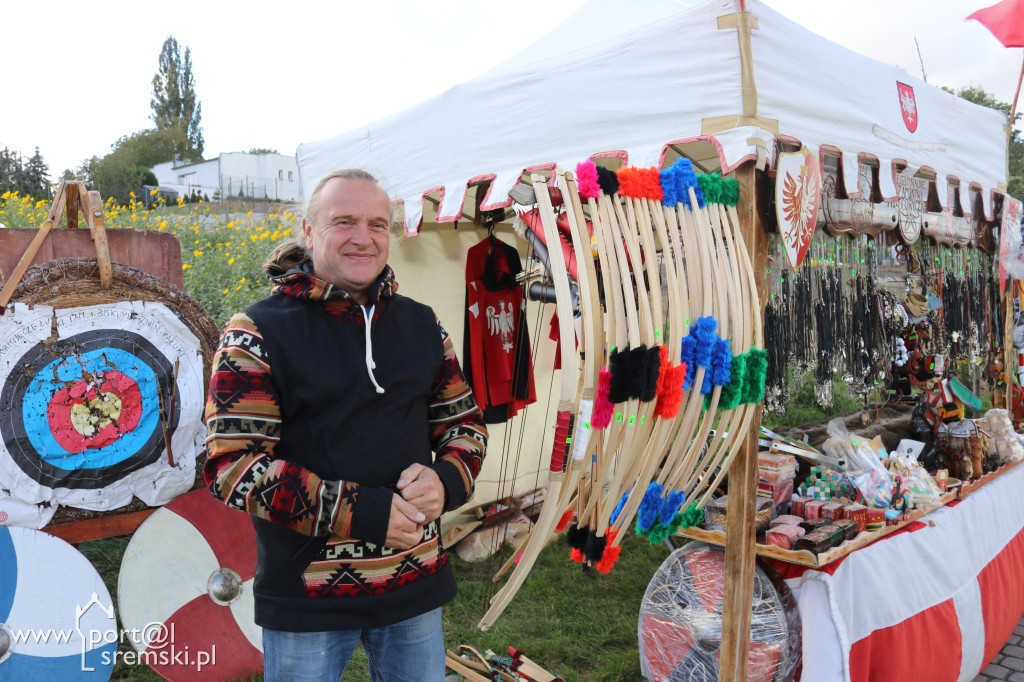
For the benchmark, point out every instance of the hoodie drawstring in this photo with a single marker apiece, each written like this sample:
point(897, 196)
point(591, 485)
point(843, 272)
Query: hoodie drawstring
point(370, 364)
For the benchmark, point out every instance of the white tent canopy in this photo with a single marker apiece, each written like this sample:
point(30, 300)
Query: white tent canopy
point(633, 79)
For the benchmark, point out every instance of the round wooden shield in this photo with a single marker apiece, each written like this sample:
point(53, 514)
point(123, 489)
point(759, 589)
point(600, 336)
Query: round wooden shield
point(187, 574)
point(93, 384)
point(56, 616)
point(680, 629)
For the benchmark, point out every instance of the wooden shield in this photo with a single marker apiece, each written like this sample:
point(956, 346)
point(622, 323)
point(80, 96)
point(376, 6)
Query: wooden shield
point(187, 575)
point(798, 184)
point(56, 615)
point(1009, 237)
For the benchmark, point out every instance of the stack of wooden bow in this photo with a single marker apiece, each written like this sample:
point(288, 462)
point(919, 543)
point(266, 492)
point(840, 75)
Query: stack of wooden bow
point(663, 374)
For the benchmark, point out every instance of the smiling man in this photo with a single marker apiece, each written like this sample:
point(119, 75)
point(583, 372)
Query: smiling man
point(339, 418)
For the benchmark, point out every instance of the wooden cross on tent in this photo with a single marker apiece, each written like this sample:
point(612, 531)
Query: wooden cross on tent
point(72, 197)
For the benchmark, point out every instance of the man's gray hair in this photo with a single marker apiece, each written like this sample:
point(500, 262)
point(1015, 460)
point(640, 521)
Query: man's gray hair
point(350, 174)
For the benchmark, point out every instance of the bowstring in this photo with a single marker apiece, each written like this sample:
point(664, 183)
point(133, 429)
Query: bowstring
point(499, 550)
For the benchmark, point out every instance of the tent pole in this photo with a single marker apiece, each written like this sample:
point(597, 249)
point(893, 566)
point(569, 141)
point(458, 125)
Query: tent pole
point(740, 549)
point(1013, 108)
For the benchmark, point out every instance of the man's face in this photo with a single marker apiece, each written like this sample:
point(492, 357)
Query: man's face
point(349, 240)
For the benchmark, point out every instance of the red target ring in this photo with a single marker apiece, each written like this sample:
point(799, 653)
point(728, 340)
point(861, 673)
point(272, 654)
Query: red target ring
point(93, 414)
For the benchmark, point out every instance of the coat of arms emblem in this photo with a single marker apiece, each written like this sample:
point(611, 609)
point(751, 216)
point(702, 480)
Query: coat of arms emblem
point(908, 105)
point(797, 199)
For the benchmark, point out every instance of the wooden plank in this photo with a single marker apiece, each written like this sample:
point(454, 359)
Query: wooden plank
point(72, 205)
point(21, 259)
point(103, 527)
point(741, 552)
point(158, 253)
point(968, 487)
point(92, 206)
point(457, 664)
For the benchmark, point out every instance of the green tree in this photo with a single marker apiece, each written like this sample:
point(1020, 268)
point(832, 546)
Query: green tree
point(174, 101)
point(35, 181)
point(976, 94)
point(127, 167)
point(28, 178)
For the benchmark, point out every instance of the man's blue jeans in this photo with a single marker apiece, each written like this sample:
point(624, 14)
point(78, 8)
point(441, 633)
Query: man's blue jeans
point(409, 651)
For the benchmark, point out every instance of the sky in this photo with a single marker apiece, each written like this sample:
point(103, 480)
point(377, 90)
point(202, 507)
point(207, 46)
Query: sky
point(277, 74)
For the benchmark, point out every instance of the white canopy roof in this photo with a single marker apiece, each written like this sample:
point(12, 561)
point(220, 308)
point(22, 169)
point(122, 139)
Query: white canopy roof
point(631, 79)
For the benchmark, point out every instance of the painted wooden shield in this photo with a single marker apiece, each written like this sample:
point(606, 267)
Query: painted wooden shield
point(912, 203)
point(680, 629)
point(187, 574)
point(56, 616)
point(1009, 237)
point(798, 184)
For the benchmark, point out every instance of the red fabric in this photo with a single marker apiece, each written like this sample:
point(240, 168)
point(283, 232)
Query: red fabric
point(1002, 596)
point(925, 647)
point(1006, 21)
point(536, 225)
point(498, 345)
point(554, 333)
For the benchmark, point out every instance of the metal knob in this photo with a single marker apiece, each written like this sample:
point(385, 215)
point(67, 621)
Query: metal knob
point(224, 586)
point(6, 642)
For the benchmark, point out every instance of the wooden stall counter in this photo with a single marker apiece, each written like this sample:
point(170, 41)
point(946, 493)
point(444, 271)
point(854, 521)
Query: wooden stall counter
point(806, 558)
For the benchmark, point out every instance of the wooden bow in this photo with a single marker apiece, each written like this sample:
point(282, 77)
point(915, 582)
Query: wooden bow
point(566, 408)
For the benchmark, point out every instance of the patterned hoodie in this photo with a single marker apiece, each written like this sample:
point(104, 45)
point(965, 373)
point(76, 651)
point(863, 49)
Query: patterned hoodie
point(316, 404)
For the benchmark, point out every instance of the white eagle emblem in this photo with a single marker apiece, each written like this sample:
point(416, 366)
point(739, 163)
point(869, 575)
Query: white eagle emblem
point(500, 324)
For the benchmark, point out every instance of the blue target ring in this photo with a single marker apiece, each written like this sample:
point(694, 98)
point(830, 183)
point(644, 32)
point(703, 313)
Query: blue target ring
point(92, 362)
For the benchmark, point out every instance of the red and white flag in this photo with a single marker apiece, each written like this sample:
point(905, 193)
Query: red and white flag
point(1006, 21)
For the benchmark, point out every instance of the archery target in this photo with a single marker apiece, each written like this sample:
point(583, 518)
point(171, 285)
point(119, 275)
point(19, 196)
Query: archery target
point(82, 391)
point(57, 616)
point(188, 573)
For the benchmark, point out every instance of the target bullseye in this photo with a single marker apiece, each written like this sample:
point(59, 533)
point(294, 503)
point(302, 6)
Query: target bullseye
point(94, 414)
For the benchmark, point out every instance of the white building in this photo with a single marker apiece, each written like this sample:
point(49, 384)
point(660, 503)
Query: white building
point(233, 174)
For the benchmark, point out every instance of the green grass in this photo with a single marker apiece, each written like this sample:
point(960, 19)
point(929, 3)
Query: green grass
point(582, 626)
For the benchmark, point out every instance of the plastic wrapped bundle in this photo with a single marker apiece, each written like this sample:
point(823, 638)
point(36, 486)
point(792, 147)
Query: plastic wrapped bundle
point(680, 624)
point(784, 535)
point(1008, 445)
point(772, 467)
point(789, 519)
point(716, 510)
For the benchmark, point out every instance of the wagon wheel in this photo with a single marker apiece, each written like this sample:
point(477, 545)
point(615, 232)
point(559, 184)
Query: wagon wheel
point(680, 629)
